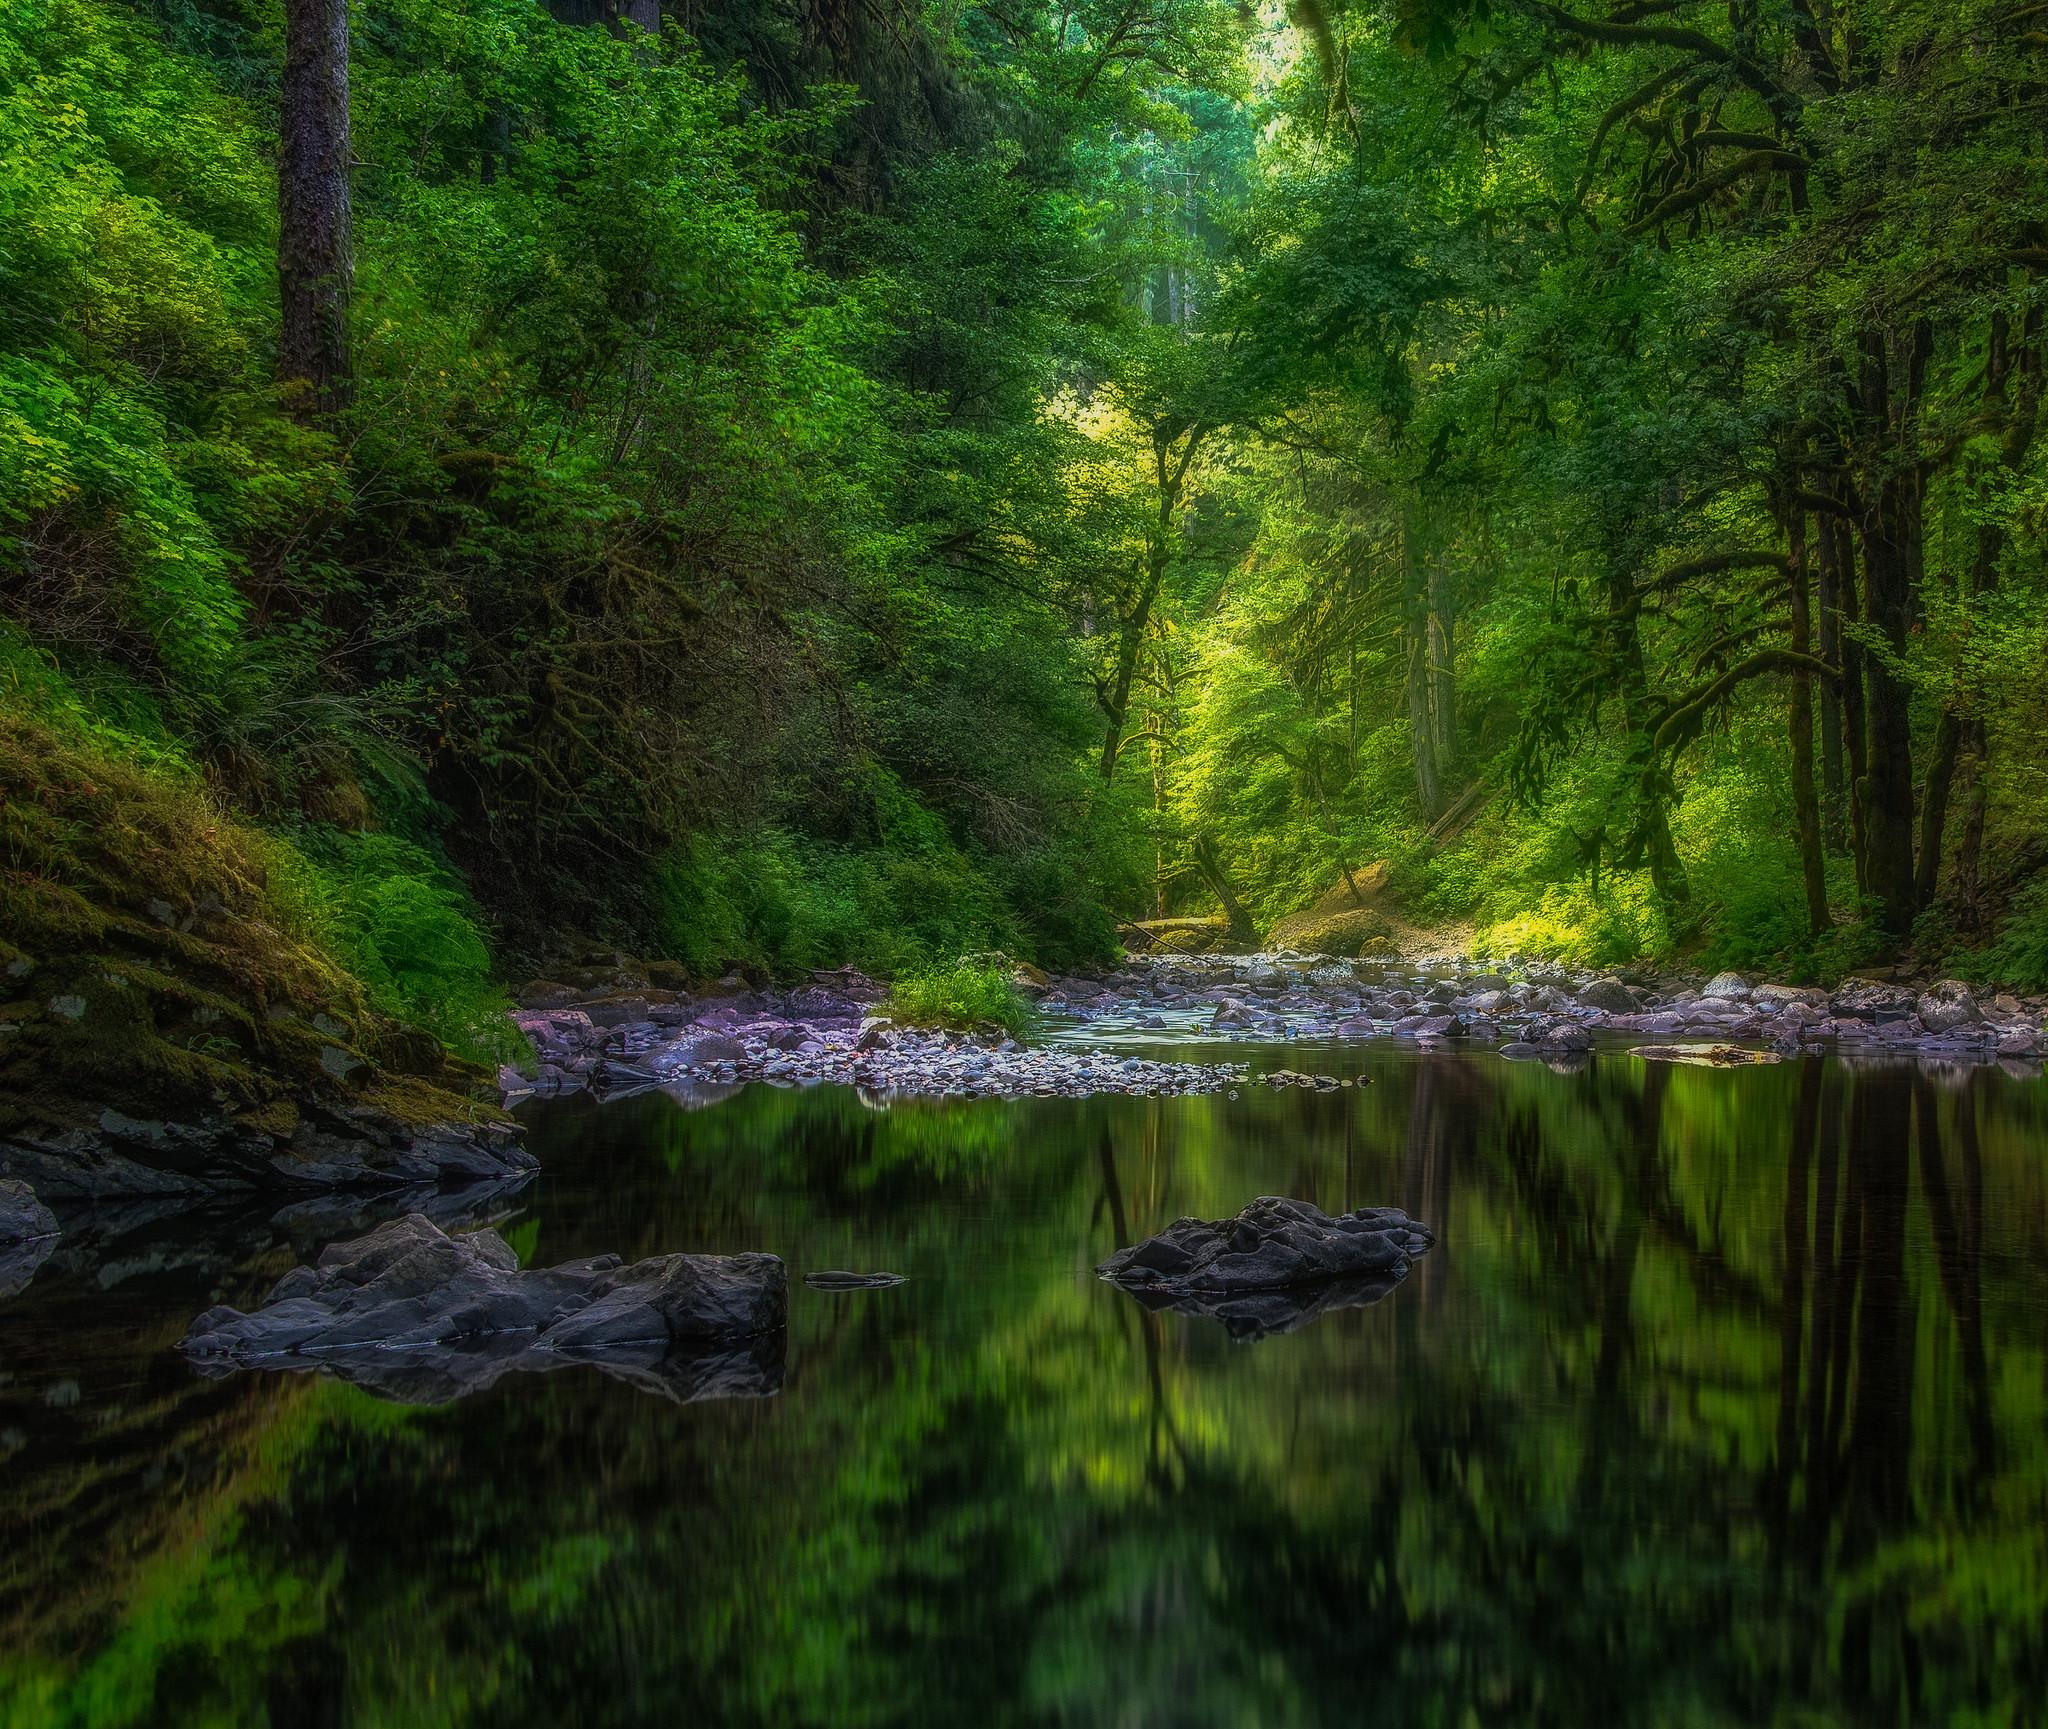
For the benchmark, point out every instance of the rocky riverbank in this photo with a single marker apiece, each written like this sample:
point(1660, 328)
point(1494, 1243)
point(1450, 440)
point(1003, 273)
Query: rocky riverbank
point(624, 1035)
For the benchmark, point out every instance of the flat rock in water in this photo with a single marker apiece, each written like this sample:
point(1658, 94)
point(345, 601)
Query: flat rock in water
point(1274, 1266)
point(413, 1314)
point(1707, 1056)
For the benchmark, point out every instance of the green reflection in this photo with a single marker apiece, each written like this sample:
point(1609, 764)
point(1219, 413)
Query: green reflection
point(1720, 1401)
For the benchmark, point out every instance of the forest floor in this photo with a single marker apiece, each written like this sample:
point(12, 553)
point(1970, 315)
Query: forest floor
point(1358, 916)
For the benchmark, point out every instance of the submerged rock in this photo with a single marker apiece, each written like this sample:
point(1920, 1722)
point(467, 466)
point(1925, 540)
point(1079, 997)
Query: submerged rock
point(414, 1314)
point(1272, 1267)
point(28, 1232)
point(1707, 1056)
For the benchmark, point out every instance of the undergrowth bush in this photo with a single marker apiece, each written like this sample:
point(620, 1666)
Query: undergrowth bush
point(1579, 925)
point(964, 996)
point(903, 900)
point(406, 928)
point(2018, 957)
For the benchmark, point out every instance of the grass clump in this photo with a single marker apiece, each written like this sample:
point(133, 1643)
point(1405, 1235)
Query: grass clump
point(966, 997)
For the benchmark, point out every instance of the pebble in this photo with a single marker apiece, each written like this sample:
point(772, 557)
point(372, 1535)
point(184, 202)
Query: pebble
point(813, 1035)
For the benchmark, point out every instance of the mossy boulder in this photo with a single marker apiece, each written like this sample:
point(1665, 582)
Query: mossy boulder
point(1191, 936)
point(1346, 923)
point(169, 1018)
point(1346, 933)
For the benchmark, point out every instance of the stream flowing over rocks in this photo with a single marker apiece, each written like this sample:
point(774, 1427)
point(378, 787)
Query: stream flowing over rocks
point(701, 1046)
point(411, 1313)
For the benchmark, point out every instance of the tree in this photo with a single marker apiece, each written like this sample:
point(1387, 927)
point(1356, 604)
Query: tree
point(315, 259)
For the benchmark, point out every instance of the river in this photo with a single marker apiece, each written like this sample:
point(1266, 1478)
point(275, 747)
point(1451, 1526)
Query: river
point(1721, 1399)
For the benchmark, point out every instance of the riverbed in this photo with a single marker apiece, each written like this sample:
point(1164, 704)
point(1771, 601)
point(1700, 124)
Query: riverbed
point(1721, 1398)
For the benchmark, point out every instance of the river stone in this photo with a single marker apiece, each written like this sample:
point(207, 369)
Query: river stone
point(1609, 995)
point(852, 1281)
point(413, 1313)
point(1729, 987)
point(28, 1232)
point(1275, 1242)
point(1946, 1006)
point(876, 1035)
point(708, 1048)
point(1274, 1267)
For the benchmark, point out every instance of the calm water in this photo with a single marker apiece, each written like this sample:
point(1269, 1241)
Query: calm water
point(1723, 1399)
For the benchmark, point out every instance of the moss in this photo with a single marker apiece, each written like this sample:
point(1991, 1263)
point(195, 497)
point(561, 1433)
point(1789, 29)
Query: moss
point(187, 984)
point(421, 1104)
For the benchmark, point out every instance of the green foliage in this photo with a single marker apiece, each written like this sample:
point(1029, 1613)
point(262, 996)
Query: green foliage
point(2017, 958)
point(408, 930)
point(966, 996)
point(785, 903)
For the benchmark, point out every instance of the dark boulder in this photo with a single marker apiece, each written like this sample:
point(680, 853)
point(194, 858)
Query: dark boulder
point(28, 1232)
point(414, 1314)
point(1269, 1269)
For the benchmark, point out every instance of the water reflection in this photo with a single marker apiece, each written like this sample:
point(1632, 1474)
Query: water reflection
point(1719, 1400)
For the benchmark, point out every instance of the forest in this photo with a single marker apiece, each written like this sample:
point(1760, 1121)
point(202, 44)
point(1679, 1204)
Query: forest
point(1037, 862)
point(781, 484)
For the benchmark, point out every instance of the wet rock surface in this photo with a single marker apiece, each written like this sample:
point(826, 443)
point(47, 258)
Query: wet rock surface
point(412, 1313)
point(116, 1156)
point(28, 1232)
point(1276, 1266)
point(852, 1281)
point(1105, 1034)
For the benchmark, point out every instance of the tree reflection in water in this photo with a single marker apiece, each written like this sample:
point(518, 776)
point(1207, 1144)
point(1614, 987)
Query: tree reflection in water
point(1719, 1400)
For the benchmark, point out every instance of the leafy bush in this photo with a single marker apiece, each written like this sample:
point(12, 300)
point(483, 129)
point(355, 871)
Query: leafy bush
point(1571, 922)
point(408, 931)
point(965, 996)
point(2018, 959)
point(786, 902)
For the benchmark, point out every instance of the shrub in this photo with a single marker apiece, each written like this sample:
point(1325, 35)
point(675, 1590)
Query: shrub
point(965, 996)
point(405, 927)
point(2019, 957)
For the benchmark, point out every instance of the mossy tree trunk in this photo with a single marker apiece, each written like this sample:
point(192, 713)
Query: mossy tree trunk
point(315, 262)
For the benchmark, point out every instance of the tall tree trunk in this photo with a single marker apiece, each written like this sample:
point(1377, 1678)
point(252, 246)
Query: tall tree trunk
point(1834, 815)
point(1941, 774)
point(1429, 792)
point(1170, 477)
point(1805, 805)
point(2012, 396)
point(1443, 664)
point(1652, 816)
point(1969, 890)
point(1855, 734)
point(315, 265)
point(1213, 873)
point(1891, 528)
